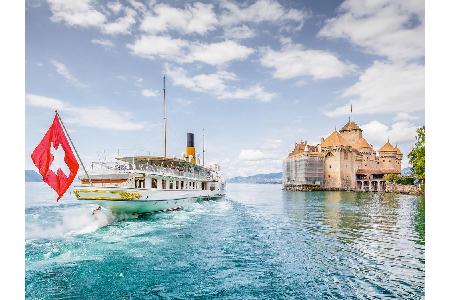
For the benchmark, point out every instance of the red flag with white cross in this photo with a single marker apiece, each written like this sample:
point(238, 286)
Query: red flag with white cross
point(44, 159)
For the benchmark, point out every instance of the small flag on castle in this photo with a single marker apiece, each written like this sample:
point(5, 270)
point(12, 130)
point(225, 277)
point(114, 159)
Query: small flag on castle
point(43, 158)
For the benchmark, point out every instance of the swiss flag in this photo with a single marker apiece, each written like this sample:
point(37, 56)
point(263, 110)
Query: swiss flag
point(43, 158)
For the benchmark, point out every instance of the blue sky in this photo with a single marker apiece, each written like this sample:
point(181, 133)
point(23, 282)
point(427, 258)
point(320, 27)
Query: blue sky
point(257, 75)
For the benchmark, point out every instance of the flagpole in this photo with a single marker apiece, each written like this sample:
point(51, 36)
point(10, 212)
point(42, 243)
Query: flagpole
point(73, 146)
point(165, 118)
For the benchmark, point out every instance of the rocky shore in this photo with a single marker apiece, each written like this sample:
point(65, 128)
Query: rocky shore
point(390, 188)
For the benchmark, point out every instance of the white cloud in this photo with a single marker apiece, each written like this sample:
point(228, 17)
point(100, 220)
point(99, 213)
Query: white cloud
point(138, 6)
point(97, 117)
point(103, 42)
point(62, 70)
point(267, 158)
point(256, 155)
point(83, 13)
point(213, 82)
point(80, 13)
point(158, 46)
point(218, 53)
point(217, 84)
point(44, 102)
point(398, 133)
point(403, 116)
point(183, 51)
point(294, 61)
point(103, 118)
point(260, 11)
point(389, 28)
point(122, 25)
point(385, 88)
point(239, 32)
point(115, 7)
point(149, 93)
point(256, 92)
point(197, 18)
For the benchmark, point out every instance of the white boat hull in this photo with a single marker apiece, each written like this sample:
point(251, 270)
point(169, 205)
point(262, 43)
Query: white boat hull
point(142, 200)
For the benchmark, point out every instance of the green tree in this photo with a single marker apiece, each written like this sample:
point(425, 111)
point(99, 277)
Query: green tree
point(417, 154)
point(391, 177)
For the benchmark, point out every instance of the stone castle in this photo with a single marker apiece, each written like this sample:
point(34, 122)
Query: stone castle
point(342, 161)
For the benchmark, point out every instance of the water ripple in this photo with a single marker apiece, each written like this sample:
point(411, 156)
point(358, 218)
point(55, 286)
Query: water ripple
point(257, 243)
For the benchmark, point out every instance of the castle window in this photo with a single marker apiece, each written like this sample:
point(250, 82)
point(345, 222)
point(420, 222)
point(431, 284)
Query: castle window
point(330, 166)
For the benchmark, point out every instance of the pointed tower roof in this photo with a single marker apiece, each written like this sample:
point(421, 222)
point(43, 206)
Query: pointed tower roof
point(334, 139)
point(362, 144)
point(397, 149)
point(350, 126)
point(387, 148)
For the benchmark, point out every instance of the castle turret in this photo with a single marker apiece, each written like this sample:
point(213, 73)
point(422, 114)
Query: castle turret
point(351, 132)
point(389, 158)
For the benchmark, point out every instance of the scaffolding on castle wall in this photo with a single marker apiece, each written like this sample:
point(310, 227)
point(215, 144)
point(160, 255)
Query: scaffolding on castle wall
point(302, 171)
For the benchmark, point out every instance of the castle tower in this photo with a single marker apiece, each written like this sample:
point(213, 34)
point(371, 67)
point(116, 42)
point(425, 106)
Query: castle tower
point(367, 153)
point(351, 132)
point(338, 163)
point(389, 158)
point(399, 158)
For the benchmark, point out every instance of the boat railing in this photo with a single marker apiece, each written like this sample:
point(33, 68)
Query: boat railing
point(174, 172)
point(101, 167)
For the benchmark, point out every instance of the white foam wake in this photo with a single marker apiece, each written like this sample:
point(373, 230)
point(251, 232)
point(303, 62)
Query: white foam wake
point(72, 221)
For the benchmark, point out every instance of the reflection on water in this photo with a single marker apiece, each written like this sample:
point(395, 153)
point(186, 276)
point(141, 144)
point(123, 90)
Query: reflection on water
point(257, 243)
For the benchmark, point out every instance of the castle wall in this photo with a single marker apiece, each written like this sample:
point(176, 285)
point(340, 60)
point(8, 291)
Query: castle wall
point(348, 163)
point(369, 160)
point(351, 136)
point(390, 161)
point(332, 170)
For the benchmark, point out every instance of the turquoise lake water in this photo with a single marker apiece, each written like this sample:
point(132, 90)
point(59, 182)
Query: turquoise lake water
point(258, 242)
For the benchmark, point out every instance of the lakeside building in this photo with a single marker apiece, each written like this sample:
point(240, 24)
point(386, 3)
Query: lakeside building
point(342, 161)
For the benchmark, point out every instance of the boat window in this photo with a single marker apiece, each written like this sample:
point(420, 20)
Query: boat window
point(182, 184)
point(213, 186)
point(203, 185)
point(163, 182)
point(139, 183)
point(171, 185)
point(154, 183)
point(176, 184)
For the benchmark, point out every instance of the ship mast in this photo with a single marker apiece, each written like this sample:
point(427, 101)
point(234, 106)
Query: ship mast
point(165, 117)
point(203, 150)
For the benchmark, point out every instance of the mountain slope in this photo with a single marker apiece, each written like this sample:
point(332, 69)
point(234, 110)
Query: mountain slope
point(258, 178)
